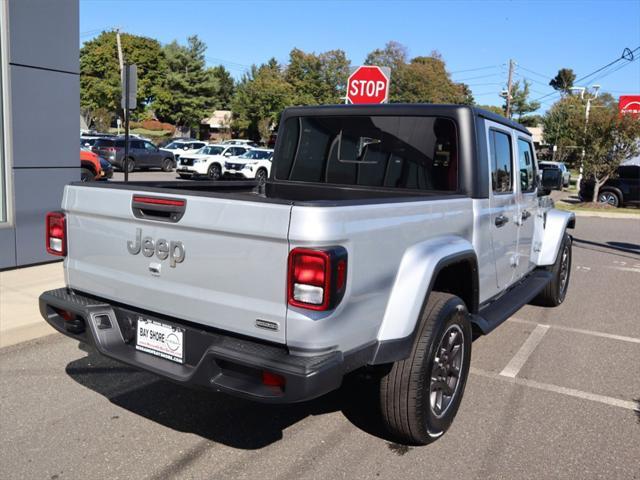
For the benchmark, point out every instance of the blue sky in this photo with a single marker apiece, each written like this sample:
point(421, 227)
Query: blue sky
point(541, 36)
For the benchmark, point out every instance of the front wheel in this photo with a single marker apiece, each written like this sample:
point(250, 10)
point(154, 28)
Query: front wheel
point(420, 395)
point(167, 165)
point(261, 176)
point(556, 290)
point(214, 172)
point(86, 175)
point(130, 165)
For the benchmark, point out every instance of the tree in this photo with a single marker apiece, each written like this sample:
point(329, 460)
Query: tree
point(190, 90)
point(563, 81)
point(317, 79)
point(531, 120)
point(610, 138)
point(226, 86)
point(492, 108)
point(100, 86)
point(260, 97)
point(520, 103)
point(393, 55)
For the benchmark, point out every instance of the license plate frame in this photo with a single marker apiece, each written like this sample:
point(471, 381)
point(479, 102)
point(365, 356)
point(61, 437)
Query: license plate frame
point(160, 339)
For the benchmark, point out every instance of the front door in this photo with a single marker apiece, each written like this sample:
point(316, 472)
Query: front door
point(527, 206)
point(504, 206)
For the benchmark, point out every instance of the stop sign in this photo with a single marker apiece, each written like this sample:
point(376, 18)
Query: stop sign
point(368, 84)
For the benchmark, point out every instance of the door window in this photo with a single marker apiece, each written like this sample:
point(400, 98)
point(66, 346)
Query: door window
point(501, 162)
point(137, 144)
point(150, 147)
point(526, 166)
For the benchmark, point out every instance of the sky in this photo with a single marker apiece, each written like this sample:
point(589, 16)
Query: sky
point(475, 38)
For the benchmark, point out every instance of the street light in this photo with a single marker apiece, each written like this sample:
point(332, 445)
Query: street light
point(583, 90)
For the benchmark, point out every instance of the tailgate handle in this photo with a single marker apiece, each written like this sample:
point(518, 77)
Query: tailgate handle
point(162, 209)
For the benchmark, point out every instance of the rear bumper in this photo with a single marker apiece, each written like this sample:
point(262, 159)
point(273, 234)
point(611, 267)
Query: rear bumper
point(213, 360)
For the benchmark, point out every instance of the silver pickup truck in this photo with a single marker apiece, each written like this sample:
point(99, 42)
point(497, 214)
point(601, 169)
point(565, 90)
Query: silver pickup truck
point(385, 238)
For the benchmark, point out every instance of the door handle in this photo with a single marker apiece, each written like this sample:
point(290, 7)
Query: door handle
point(525, 214)
point(501, 221)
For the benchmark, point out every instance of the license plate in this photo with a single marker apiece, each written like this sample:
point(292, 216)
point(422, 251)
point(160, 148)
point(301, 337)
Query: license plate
point(160, 339)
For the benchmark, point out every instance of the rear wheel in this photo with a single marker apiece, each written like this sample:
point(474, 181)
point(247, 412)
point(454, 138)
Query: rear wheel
point(86, 175)
point(214, 172)
point(131, 165)
point(167, 165)
point(556, 290)
point(610, 198)
point(420, 395)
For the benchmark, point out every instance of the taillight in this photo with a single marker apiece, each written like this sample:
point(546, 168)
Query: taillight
point(317, 279)
point(56, 234)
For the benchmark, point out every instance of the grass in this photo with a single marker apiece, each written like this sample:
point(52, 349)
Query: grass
point(591, 207)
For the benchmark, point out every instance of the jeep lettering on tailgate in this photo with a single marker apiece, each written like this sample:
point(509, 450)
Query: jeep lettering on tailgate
point(163, 249)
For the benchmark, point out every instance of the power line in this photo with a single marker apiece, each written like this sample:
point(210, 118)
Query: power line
point(478, 77)
point(475, 69)
point(546, 77)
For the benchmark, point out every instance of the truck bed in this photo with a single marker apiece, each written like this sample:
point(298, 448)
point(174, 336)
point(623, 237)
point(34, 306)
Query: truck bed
point(284, 193)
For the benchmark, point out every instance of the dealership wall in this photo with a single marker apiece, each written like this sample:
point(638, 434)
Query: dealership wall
point(39, 41)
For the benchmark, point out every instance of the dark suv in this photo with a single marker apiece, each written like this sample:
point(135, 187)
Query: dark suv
point(142, 154)
point(624, 189)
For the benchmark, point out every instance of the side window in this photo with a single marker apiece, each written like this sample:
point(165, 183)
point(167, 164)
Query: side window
point(526, 166)
point(137, 144)
point(501, 161)
point(150, 146)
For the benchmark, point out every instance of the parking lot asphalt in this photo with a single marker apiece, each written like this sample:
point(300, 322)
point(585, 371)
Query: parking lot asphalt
point(553, 393)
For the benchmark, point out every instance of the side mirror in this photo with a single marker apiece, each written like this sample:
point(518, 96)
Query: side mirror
point(227, 154)
point(551, 180)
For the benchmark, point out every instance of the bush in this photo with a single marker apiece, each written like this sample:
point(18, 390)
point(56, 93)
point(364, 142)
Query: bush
point(153, 125)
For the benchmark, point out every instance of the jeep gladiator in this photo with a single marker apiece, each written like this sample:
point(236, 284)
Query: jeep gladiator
point(385, 238)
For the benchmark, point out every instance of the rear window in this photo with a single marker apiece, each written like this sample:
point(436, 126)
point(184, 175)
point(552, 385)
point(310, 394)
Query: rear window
point(103, 142)
point(418, 153)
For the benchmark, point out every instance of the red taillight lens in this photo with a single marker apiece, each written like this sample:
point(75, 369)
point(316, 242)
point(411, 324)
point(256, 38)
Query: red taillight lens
point(317, 278)
point(272, 379)
point(56, 234)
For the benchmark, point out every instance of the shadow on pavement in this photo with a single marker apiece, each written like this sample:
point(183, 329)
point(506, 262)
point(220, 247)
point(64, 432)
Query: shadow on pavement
point(618, 246)
point(218, 417)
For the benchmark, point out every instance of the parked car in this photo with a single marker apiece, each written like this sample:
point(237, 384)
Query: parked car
point(90, 168)
point(142, 154)
point(566, 174)
point(255, 163)
point(179, 148)
point(208, 161)
point(385, 238)
point(623, 189)
point(239, 141)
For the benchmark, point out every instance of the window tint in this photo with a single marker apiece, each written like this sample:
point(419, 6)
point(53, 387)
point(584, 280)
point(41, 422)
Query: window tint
point(101, 142)
point(136, 144)
point(150, 146)
point(526, 166)
point(629, 172)
point(501, 161)
point(376, 151)
point(119, 143)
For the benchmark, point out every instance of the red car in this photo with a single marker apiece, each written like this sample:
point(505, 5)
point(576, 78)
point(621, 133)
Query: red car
point(90, 168)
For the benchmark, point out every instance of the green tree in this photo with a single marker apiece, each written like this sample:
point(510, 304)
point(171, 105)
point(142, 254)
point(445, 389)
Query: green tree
point(394, 55)
point(531, 120)
point(226, 84)
point(563, 81)
point(100, 86)
point(189, 92)
point(260, 97)
point(520, 103)
point(317, 79)
point(492, 108)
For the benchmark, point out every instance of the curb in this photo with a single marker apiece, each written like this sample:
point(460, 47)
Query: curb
point(578, 213)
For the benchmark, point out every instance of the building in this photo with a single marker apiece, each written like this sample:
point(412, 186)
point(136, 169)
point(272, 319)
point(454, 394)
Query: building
point(217, 126)
point(39, 126)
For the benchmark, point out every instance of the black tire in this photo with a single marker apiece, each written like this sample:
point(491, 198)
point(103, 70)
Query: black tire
point(214, 172)
point(261, 176)
point(86, 175)
point(609, 197)
point(556, 290)
point(131, 165)
point(409, 391)
point(167, 165)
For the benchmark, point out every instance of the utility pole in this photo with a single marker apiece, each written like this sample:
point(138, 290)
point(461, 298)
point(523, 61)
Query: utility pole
point(583, 91)
point(120, 59)
point(509, 85)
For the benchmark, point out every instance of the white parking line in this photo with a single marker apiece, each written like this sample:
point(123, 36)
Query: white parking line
point(594, 333)
point(614, 402)
point(527, 348)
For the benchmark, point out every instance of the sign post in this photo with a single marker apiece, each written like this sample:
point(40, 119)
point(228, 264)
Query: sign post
point(128, 101)
point(368, 84)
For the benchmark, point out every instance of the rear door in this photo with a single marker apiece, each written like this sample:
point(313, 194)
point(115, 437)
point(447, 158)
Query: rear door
point(139, 153)
point(527, 204)
point(503, 201)
point(234, 266)
point(153, 153)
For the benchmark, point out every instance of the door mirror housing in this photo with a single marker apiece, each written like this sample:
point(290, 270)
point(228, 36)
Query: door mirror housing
point(550, 179)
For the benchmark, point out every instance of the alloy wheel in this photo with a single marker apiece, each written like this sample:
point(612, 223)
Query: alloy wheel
point(446, 371)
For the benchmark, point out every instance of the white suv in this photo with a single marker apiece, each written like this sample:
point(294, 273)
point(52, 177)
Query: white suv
point(208, 161)
point(255, 163)
point(183, 147)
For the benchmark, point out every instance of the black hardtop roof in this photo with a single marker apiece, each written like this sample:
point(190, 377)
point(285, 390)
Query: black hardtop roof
point(407, 109)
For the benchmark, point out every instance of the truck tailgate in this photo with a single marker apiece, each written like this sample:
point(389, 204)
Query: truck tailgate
point(234, 267)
